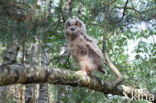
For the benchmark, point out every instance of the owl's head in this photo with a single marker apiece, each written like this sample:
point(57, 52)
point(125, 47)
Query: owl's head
point(74, 27)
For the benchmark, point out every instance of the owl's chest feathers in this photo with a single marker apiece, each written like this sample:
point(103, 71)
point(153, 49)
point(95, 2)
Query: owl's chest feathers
point(78, 47)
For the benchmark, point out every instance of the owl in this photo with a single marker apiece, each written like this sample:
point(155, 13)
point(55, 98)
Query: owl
point(83, 48)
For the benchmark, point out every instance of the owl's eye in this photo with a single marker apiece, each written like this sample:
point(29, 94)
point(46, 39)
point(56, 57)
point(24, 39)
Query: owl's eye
point(68, 25)
point(77, 24)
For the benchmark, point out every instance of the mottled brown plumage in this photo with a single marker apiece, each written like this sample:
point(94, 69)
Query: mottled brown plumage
point(83, 48)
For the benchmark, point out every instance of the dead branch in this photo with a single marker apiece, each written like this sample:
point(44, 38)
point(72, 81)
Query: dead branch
point(110, 64)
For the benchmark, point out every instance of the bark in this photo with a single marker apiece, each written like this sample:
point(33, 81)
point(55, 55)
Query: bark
point(9, 58)
point(29, 91)
point(43, 90)
point(11, 53)
point(21, 86)
point(80, 10)
point(26, 74)
point(68, 7)
point(43, 93)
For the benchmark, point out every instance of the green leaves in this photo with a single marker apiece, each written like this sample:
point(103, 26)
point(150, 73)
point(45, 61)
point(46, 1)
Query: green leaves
point(137, 56)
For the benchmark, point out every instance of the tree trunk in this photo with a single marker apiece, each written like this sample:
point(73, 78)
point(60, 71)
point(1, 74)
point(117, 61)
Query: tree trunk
point(9, 58)
point(43, 90)
point(29, 91)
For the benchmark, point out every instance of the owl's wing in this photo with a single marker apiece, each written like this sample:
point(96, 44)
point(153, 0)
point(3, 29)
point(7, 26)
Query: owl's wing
point(94, 52)
point(92, 45)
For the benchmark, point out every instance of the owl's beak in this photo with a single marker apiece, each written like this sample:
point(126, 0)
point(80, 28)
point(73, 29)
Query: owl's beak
point(72, 29)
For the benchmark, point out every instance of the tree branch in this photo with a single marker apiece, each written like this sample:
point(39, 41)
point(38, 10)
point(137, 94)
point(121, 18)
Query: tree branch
point(80, 10)
point(68, 7)
point(110, 64)
point(125, 7)
point(26, 74)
